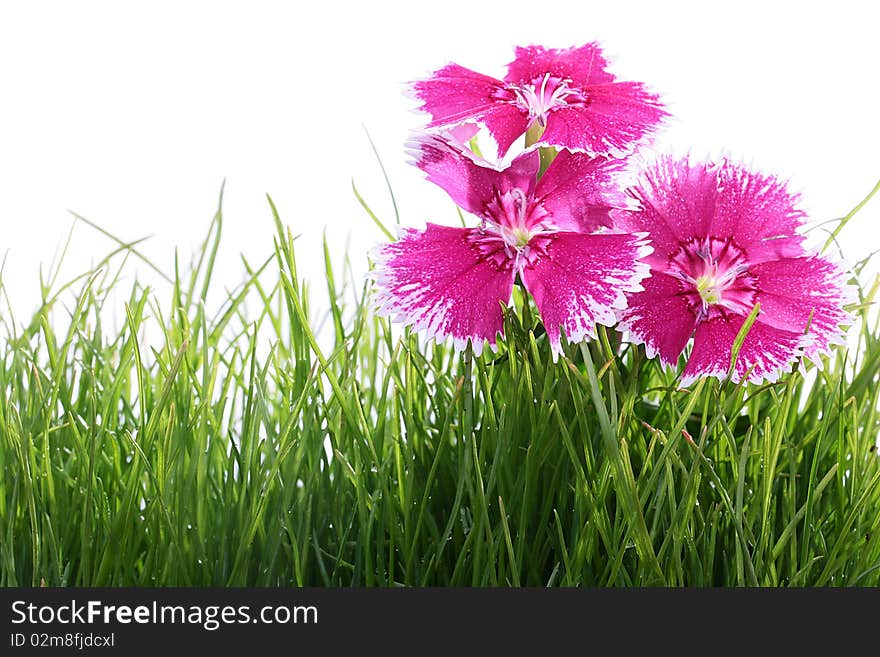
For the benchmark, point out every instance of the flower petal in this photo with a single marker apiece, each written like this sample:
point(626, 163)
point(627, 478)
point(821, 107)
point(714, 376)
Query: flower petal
point(579, 280)
point(616, 117)
point(455, 94)
point(506, 123)
point(582, 65)
point(758, 212)
point(471, 181)
point(678, 203)
point(792, 289)
point(766, 353)
point(660, 318)
point(683, 201)
point(579, 191)
point(445, 281)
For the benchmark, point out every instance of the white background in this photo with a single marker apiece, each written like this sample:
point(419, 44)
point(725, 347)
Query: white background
point(132, 114)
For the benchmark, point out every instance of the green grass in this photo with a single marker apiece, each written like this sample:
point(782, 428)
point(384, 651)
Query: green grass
point(240, 448)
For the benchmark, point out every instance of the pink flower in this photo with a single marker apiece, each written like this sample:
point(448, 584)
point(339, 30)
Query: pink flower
point(724, 240)
point(567, 92)
point(452, 282)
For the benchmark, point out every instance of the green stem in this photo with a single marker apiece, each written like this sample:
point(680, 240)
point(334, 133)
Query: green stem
point(548, 154)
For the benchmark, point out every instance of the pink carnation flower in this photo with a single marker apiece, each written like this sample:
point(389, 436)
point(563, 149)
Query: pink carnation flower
point(567, 92)
point(724, 240)
point(452, 282)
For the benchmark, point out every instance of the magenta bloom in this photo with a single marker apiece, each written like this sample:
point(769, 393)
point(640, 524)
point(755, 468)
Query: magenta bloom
point(452, 282)
point(567, 92)
point(724, 240)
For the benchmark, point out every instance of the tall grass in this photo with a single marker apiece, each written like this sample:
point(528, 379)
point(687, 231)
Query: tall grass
point(238, 448)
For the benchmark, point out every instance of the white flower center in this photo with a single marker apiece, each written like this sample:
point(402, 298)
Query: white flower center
point(517, 238)
point(543, 95)
point(709, 289)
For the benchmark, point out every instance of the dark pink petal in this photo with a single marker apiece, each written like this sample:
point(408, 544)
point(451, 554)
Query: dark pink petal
point(683, 201)
point(660, 318)
point(766, 353)
point(793, 289)
point(615, 117)
point(758, 212)
point(445, 281)
point(470, 181)
point(579, 280)
point(506, 123)
point(455, 94)
point(579, 191)
point(678, 204)
point(582, 65)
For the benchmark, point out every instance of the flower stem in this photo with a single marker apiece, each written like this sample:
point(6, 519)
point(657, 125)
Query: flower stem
point(548, 154)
